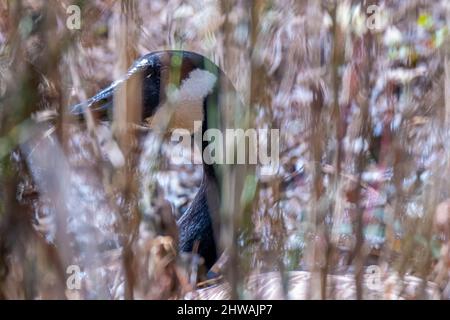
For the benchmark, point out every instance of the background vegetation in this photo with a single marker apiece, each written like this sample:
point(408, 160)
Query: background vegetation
point(363, 181)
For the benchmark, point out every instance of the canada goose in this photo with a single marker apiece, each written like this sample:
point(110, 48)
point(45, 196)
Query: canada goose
point(198, 99)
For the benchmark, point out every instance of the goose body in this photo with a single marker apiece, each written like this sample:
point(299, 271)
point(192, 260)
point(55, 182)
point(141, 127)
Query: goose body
point(197, 95)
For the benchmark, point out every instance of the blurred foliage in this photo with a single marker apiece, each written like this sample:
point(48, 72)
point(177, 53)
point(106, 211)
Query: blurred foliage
point(364, 163)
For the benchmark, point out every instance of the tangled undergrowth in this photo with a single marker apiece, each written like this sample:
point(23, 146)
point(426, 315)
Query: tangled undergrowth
point(359, 207)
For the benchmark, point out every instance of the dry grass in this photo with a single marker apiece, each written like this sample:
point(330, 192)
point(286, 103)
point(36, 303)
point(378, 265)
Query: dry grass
point(364, 161)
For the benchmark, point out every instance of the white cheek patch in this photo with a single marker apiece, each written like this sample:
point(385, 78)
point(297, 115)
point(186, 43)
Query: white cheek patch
point(197, 85)
point(188, 100)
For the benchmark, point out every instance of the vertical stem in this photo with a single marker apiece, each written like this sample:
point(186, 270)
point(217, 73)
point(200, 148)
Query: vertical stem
point(127, 104)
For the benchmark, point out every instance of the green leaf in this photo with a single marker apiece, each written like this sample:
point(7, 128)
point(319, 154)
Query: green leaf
point(440, 36)
point(425, 21)
point(435, 248)
point(249, 191)
point(346, 228)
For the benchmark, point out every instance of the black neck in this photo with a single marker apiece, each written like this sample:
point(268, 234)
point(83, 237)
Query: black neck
point(201, 222)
